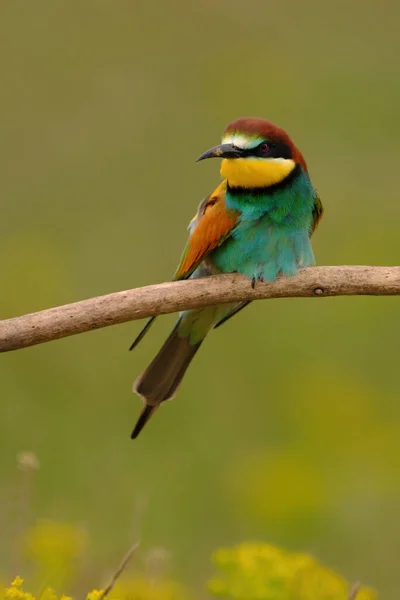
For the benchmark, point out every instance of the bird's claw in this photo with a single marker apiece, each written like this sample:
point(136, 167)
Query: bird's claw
point(258, 278)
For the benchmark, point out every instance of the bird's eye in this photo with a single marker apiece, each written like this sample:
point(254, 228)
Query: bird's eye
point(264, 147)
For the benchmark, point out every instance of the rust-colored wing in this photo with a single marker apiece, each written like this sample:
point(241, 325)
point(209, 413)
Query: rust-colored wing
point(211, 225)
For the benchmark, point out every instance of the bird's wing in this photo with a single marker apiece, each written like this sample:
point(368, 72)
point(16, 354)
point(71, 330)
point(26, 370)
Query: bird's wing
point(318, 211)
point(209, 228)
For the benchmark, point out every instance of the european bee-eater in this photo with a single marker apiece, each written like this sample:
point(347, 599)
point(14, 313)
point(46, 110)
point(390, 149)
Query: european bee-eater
point(258, 222)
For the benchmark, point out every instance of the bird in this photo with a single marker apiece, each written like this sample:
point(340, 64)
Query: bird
point(258, 222)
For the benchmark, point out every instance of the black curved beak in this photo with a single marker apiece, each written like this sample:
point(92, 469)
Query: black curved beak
point(221, 151)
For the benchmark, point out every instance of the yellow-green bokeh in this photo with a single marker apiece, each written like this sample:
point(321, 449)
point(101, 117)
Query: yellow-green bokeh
point(287, 426)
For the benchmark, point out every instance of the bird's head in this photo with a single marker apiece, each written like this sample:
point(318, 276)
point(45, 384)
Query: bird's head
point(255, 153)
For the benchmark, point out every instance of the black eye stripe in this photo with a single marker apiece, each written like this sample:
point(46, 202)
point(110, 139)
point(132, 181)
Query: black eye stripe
point(275, 150)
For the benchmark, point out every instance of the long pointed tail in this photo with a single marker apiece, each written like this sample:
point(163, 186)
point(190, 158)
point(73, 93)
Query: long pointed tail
point(142, 420)
point(162, 377)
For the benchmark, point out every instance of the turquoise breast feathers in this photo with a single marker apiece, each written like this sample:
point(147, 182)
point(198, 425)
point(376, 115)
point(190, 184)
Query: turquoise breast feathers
point(272, 236)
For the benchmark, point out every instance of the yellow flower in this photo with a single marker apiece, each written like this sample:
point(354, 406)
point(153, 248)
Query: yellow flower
point(140, 588)
point(15, 591)
point(55, 548)
point(94, 595)
point(264, 572)
point(48, 594)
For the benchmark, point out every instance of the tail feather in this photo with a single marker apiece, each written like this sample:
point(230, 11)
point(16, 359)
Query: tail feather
point(160, 381)
point(142, 420)
point(142, 333)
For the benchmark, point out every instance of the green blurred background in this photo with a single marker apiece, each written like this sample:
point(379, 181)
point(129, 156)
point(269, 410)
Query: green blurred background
point(287, 426)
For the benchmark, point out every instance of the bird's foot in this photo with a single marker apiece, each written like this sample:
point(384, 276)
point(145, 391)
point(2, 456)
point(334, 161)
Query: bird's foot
point(258, 278)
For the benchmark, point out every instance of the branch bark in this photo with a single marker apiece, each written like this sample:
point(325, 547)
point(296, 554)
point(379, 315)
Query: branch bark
point(70, 319)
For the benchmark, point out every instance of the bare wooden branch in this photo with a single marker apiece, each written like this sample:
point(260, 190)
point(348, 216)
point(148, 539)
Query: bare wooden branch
point(70, 319)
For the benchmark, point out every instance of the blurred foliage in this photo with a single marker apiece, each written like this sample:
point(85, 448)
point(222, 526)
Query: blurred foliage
point(263, 572)
point(286, 427)
point(250, 571)
point(137, 589)
point(53, 555)
point(55, 548)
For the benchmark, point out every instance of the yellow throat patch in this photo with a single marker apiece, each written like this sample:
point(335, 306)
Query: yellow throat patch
point(256, 172)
